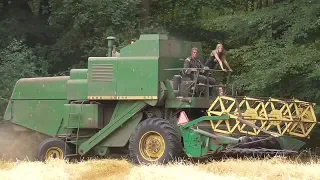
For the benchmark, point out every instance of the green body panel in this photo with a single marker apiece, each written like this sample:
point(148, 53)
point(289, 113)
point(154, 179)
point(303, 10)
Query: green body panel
point(102, 76)
point(138, 77)
point(193, 143)
point(198, 145)
point(169, 53)
point(44, 116)
point(78, 74)
point(41, 88)
point(8, 115)
point(77, 89)
point(123, 77)
point(145, 46)
point(77, 86)
point(83, 116)
point(119, 109)
point(120, 137)
point(188, 103)
point(290, 143)
point(119, 120)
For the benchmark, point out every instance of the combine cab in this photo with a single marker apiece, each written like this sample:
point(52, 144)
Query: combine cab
point(141, 102)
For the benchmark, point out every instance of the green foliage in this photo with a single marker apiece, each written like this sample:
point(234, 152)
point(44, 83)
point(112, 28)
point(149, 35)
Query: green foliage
point(18, 61)
point(83, 27)
point(290, 22)
point(273, 45)
point(275, 50)
point(272, 70)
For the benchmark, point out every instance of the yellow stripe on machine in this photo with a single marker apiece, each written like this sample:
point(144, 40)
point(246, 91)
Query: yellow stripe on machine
point(123, 97)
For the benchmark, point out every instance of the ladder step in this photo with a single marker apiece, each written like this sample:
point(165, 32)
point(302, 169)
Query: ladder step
point(72, 141)
point(71, 127)
point(84, 136)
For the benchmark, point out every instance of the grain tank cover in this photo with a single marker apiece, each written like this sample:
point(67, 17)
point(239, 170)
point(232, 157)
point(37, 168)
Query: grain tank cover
point(146, 45)
point(41, 88)
point(153, 37)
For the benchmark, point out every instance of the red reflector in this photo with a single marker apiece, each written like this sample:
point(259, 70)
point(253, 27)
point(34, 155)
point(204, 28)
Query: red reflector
point(183, 119)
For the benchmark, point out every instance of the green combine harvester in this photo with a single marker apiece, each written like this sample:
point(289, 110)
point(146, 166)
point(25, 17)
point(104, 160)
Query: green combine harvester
point(139, 101)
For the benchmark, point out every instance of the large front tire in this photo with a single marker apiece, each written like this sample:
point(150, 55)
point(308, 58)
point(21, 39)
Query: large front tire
point(155, 140)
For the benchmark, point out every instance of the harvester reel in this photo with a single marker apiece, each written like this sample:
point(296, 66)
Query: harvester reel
point(155, 140)
point(279, 117)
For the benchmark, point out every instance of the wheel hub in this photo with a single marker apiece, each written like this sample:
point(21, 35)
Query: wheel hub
point(152, 146)
point(54, 153)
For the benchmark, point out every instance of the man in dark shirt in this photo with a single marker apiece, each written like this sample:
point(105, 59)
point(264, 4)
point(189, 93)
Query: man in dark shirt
point(194, 62)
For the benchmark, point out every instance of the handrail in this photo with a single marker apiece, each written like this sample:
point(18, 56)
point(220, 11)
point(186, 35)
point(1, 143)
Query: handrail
point(177, 69)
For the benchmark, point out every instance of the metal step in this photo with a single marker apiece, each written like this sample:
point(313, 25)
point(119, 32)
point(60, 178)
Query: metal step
point(71, 127)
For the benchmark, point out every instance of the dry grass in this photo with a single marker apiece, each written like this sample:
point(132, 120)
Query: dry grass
point(276, 168)
point(5, 165)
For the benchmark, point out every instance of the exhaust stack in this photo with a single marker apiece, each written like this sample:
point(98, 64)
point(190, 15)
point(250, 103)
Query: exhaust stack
point(111, 40)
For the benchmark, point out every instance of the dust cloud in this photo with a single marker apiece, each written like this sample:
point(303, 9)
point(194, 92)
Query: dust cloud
point(17, 143)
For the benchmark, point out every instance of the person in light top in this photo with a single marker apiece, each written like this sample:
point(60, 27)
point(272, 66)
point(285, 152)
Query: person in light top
point(218, 56)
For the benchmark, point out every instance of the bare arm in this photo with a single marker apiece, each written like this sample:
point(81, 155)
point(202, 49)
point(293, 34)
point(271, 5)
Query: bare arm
point(226, 63)
point(218, 59)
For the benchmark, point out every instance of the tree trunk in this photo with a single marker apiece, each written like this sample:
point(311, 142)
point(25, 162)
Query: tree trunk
point(146, 7)
point(260, 4)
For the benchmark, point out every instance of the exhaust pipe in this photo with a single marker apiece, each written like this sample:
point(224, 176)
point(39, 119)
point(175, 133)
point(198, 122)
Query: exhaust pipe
point(110, 45)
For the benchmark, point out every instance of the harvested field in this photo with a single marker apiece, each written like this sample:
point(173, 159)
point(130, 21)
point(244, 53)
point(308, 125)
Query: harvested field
point(275, 168)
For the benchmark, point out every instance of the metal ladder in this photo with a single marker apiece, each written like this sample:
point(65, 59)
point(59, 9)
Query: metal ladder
point(77, 128)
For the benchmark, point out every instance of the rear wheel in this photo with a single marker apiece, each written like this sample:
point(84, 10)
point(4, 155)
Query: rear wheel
point(53, 148)
point(155, 140)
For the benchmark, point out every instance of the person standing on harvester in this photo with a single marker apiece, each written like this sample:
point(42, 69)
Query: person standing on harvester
point(218, 55)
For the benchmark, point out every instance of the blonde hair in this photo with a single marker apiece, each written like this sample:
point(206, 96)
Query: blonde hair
point(222, 55)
